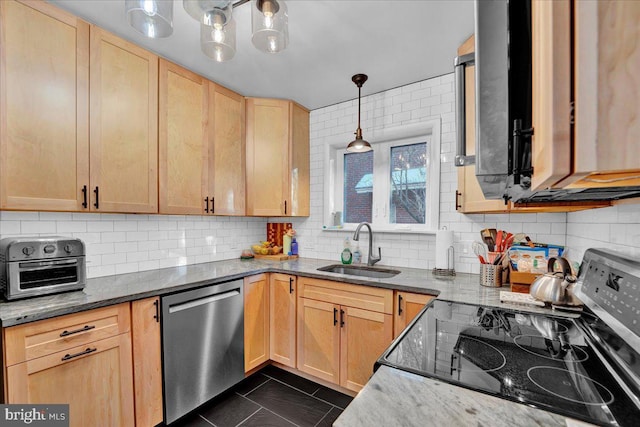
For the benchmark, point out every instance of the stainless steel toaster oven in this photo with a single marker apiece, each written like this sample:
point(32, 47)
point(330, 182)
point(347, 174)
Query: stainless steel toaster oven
point(33, 266)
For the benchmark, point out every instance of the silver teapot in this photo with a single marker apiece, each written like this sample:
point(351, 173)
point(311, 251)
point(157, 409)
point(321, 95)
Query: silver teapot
point(555, 287)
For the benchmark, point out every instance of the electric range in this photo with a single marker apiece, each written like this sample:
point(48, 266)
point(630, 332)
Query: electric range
point(587, 368)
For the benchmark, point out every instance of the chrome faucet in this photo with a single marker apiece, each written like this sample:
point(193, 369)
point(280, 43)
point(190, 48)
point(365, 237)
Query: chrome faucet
point(356, 236)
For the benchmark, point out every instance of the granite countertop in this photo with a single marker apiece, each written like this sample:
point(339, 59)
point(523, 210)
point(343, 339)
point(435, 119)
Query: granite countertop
point(391, 397)
point(103, 291)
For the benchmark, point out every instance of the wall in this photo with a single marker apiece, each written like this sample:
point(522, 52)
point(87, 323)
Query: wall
point(128, 243)
point(615, 228)
point(422, 101)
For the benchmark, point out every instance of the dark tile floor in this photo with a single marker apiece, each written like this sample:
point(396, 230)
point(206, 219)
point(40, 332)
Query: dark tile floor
point(271, 397)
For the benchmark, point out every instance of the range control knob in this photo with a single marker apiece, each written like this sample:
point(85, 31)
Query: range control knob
point(49, 249)
point(28, 250)
point(68, 248)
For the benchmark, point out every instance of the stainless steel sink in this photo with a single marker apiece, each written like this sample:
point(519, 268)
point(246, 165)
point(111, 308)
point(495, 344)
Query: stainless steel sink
point(364, 271)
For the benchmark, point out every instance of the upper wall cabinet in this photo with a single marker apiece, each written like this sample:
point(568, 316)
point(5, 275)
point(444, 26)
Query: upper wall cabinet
point(201, 145)
point(277, 158)
point(44, 107)
point(61, 149)
point(124, 125)
point(605, 146)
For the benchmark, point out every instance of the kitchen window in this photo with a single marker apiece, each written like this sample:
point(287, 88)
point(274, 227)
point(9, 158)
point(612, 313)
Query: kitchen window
point(395, 187)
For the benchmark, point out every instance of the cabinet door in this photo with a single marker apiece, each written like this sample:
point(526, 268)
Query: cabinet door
point(551, 114)
point(607, 76)
point(124, 125)
point(147, 362)
point(282, 319)
point(94, 379)
point(44, 107)
point(469, 197)
point(299, 168)
point(183, 140)
point(407, 307)
point(319, 339)
point(227, 153)
point(267, 157)
point(256, 320)
point(365, 335)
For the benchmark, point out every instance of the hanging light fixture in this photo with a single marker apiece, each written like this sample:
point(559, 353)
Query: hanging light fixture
point(359, 145)
point(152, 18)
point(270, 25)
point(218, 41)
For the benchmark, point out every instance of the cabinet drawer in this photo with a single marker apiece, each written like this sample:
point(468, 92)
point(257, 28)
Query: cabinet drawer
point(37, 339)
point(365, 297)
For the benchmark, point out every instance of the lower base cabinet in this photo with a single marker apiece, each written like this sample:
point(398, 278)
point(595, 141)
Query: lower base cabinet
point(282, 318)
point(147, 361)
point(406, 308)
point(82, 359)
point(342, 330)
point(256, 321)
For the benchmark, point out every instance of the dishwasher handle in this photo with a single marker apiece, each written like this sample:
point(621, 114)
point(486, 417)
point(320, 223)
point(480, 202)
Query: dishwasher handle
point(185, 305)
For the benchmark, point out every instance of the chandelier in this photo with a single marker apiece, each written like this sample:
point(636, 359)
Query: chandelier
point(269, 23)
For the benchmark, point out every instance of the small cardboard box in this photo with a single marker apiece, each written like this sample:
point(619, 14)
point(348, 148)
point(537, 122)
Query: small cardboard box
point(520, 281)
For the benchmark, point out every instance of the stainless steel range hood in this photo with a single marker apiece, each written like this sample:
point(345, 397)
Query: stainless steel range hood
point(504, 95)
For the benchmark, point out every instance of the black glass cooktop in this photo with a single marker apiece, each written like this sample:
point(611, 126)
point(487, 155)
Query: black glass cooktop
point(533, 359)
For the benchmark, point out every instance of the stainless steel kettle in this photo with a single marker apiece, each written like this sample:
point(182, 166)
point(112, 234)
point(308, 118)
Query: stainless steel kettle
point(555, 287)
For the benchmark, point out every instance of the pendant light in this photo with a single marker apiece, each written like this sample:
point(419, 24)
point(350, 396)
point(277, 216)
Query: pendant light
point(218, 35)
point(152, 18)
point(359, 145)
point(270, 25)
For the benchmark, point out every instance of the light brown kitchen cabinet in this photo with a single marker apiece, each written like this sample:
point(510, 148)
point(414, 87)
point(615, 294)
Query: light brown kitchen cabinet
point(147, 361)
point(256, 320)
point(44, 107)
point(604, 148)
point(81, 359)
point(123, 125)
point(342, 330)
point(469, 196)
point(201, 145)
point(282, 318)
point(183, 140)
point(406, 308)
point(277, 158)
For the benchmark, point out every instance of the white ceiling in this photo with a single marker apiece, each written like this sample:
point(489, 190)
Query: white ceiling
point(394, 42)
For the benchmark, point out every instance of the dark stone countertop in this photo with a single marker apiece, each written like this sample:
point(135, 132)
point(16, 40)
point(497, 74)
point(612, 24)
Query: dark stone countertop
point(103, 291)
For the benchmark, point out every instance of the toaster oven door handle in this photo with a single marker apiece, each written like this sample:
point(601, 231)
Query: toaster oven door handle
point(44, 265)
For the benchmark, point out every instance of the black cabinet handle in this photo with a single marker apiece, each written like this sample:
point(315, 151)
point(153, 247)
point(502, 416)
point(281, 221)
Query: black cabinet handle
point(84, 197)
point(341, 318)
point(97, 193)
point(157, 315)
point(290, 285)
point(285, 207)
point(77, 331)
point(213, 204)
point(519, 136)
point(206, 204)
point(335, 316)
point(399, 304)
point(82, 353)
point(458, 205)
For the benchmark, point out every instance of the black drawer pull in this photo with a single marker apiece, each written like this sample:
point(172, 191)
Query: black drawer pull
point(77, 331)
point(82, 353)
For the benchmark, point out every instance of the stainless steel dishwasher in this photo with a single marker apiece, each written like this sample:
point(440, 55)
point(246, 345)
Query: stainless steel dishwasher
point(203, 345)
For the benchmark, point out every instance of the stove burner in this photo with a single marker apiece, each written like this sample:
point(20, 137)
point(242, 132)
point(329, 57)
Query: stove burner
point(485, 357)
point(570, 386)
point(553, 350)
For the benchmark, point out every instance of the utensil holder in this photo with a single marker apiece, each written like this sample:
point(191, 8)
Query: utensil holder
point(491, 275)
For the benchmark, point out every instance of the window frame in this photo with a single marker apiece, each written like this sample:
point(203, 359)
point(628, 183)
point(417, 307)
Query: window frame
point(382, 142)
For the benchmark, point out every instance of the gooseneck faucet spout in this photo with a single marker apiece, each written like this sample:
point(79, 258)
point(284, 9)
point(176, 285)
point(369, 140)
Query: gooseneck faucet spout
point(356, 236)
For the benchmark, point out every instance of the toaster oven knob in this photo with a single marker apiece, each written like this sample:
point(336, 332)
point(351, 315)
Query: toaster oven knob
point(49, 249)
point(28, 250)
point(68, 248)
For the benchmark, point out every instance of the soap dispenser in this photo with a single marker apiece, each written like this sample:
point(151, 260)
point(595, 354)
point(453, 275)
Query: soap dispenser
point(346, 255)
point(357, 254)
